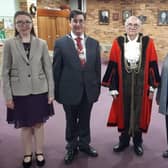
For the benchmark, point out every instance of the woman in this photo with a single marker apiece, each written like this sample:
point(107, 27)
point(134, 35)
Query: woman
point(162, 97)
point(28, 86)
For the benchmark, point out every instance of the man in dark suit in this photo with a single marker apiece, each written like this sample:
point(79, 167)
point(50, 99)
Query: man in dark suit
point(77, 76)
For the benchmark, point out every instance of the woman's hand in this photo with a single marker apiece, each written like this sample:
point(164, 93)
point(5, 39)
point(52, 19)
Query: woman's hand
point(10, 104)
point(50, 100)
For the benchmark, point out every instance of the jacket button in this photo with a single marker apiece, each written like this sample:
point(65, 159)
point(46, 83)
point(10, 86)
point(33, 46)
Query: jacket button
point(28, 64)
point(29, 75)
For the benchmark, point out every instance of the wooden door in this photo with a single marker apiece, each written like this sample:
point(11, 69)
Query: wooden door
point(47, 30)
point(52, 25)
point(62, 26)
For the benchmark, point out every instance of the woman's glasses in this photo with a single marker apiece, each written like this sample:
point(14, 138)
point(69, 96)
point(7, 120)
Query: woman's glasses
point(22, 23)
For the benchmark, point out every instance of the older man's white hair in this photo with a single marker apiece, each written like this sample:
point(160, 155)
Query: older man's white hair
point(133, 18)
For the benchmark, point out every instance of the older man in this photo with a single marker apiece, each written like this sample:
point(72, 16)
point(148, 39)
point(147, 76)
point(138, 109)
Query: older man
point(132, 75)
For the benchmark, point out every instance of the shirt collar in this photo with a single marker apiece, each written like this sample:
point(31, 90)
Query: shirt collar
point(74, 36)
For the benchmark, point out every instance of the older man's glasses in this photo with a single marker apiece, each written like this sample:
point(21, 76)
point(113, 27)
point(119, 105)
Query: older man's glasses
point(22, 23)
point(130, 25)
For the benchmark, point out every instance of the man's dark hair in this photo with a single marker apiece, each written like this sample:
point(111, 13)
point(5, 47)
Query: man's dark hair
point(27, 14)
point(74, 13)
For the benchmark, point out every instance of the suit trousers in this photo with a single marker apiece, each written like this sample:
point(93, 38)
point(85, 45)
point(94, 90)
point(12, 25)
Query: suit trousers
point(78, 123)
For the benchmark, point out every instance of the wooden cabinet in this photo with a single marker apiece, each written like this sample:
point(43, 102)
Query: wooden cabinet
point(52, 24)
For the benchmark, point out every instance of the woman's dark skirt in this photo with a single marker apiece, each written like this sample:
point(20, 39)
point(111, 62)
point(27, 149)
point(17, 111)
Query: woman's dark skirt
point(30, 110)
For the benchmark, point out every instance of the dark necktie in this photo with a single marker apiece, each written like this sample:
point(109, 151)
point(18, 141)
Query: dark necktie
point(80, 48)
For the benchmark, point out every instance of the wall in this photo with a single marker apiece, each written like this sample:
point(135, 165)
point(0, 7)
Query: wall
point(8, 8)
point(51, 3)
point(106, 33)
point(73, 4)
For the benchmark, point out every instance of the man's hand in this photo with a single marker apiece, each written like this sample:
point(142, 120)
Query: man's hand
point(151, 94)
point(114, 96)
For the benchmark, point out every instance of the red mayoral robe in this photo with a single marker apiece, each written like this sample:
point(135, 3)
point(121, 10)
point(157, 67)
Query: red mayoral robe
point(114, 79)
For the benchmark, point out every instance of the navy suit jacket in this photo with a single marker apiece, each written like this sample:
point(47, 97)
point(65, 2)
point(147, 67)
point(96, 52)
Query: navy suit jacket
point(70, 77)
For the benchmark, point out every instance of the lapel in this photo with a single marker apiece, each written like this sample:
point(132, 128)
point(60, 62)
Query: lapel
point(33, 48)
point(72, 48)
point(20, 48)
point(71, 42)
point(87, 47)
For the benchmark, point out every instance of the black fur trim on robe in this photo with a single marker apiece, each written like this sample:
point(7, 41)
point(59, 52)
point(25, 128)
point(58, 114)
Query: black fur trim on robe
point(154, 74)
point(110, 78)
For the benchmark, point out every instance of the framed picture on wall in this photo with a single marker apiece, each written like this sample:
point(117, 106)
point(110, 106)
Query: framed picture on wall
point(142, 18)
point(115, 16)
point(126, 14)
point(104, 16)
point(163, 17)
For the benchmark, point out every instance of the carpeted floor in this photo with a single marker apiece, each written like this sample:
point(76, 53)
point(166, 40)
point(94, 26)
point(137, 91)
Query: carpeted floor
point(103, 139)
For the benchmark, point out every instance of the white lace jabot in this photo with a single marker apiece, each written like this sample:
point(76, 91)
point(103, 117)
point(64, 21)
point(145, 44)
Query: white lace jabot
point(132, 50)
